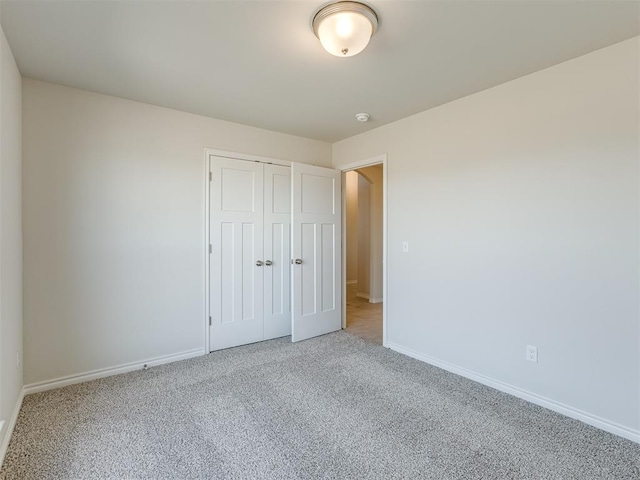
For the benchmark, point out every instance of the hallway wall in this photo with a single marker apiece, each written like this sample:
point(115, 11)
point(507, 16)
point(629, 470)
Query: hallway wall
point(351, 226)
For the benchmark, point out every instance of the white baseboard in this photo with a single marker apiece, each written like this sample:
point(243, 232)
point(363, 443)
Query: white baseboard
point(84, 377)
point(367, 297)
point(107, 372)
point(352, 282)
point(588, 418)
point(8, 429)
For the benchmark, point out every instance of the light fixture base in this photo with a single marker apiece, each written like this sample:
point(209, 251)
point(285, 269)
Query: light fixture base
point(337, 7)
point(362, 117)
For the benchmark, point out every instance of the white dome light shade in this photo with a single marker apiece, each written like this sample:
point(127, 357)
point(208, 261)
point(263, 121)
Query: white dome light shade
point(345, 34)
point(345, 28)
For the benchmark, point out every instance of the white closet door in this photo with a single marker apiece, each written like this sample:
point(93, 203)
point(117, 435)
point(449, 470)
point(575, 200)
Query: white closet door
point(277, 251)
point(316, 209)
point(237, 247)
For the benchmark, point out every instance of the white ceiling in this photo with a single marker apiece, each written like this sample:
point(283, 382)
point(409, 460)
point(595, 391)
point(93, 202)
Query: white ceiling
point(258, 62)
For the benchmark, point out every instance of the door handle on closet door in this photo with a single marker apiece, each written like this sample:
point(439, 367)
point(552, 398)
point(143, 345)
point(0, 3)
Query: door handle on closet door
point(298, 261)
point(259, 263)
point(268, 263)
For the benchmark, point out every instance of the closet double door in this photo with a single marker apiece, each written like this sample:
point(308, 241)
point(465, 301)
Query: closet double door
point(275, 251)
point(250, 251)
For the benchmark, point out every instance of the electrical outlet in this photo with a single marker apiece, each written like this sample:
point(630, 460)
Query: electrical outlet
point(405, 246)
point(532, 353)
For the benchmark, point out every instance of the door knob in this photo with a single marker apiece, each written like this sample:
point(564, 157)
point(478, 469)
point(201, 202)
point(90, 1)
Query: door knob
point(268, 263)
point(298, 261)
point(259, 263)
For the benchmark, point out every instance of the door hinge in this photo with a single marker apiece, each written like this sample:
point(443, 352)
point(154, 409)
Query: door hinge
point(209, 321)
point(210, 176)
point(210, 249)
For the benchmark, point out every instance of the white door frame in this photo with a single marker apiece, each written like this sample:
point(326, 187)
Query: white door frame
point(208, 152)
point(380, 159)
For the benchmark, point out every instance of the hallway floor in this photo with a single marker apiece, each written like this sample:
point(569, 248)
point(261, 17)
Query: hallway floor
point(364, 319)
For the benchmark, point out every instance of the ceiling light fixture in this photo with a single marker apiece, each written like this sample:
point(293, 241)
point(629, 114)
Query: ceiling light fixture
point(345, 28)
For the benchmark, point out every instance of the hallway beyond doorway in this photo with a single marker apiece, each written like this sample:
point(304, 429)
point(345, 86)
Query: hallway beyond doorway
point(364, 319)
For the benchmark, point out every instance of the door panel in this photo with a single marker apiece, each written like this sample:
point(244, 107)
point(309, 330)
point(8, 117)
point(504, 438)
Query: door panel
point(239, 195)
point(307, 277)
point(327, 268)
point(316, 227)
point(227, 271)
point(277, 250)
point(318, 194)
point(236, 233)
point(250, 284)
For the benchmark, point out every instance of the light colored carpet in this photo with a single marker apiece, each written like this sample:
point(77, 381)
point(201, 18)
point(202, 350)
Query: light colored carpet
point(333, 407)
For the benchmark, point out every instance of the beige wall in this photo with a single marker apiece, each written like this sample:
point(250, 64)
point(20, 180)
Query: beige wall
point(521, 208)
point(114, 226)
point(373, 175)
point(10, 240)
point(351, 225)
point(364, 236)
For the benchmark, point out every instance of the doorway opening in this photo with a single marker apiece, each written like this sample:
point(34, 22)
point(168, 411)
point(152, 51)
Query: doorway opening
point(364, 228)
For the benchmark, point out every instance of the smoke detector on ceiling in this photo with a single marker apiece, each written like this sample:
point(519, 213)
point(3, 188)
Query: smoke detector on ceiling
point(362, 117)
